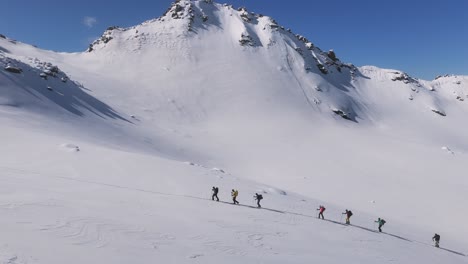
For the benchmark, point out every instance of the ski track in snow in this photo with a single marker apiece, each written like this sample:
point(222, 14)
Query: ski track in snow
point(9, 258)
point(100, 233)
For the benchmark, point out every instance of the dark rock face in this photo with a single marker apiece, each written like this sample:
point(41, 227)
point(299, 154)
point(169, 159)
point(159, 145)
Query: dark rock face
point(244, 14)
point(331, 54)
point(322, 68)
point(246, 40)
point(105, 38)
point(403, 77)
point(12, 69)
point(341, 113)
point(43, 76)
point(439, 112)
point(175, 11)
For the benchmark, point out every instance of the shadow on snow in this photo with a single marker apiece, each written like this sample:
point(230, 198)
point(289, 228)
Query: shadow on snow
point(67, 94)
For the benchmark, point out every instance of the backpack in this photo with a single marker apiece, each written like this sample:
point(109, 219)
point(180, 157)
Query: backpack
point(437, 237)
point(383, 221)
point(350, 213)
point(259, 197)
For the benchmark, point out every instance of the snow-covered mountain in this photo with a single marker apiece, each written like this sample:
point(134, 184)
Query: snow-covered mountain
point(109, 155)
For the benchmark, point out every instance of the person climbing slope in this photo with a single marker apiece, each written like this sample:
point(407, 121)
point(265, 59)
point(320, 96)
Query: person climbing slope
point(348, 214)
point(321, 209)
point(215, 193)
point(436, 238)
point(258, 197)
point(234, 194)
point(381, 222)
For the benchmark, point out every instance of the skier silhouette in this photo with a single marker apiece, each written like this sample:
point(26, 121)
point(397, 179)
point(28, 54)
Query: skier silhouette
point(381, 222)
point(436, 238)
point(258, 197)
point(348, 214)
point(321, 209)
point(234, 194)
point(215, 193)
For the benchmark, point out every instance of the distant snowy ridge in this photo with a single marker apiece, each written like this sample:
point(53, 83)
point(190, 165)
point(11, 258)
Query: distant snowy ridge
point(323, 80)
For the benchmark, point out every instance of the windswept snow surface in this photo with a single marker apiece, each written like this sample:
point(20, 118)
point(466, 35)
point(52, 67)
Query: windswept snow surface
point(109, 156)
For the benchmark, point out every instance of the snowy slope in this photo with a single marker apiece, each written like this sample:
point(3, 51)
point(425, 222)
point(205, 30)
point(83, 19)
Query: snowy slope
point(105, 206)
point(109, 157)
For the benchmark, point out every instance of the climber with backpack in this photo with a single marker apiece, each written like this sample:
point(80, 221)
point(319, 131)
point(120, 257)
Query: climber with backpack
point(215, 193)
point(321, 209)
point(234, 194)
point(348, 214)
point(258, 197)
point(381, 222)
point(436, 238)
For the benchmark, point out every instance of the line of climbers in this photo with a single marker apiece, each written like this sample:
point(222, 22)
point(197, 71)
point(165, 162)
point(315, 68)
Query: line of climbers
point(258, 197)
point(234, 194)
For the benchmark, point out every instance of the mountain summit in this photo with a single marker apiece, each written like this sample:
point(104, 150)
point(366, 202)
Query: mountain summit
point(200, 34)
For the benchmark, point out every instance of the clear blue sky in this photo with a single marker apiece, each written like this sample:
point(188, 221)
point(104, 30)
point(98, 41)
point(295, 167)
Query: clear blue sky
point(424, 38)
